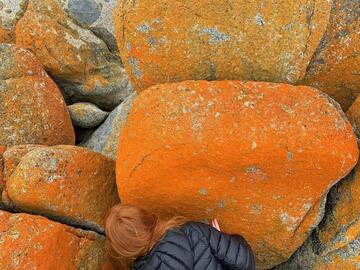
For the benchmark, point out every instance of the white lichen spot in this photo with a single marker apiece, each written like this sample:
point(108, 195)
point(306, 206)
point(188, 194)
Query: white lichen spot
point(144, 28)
point(215, 36)
point(84, 34)
point(288, 220)
point(259, 19)
point(77, 43)
point(249, 104)
point(217, 115)
point(253, 146)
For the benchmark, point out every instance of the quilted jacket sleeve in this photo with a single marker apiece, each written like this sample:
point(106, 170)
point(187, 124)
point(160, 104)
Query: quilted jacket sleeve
point(232, 251)
point(171, 253)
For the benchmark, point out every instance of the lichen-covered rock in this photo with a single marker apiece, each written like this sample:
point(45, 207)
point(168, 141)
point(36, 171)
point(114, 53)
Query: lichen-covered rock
point(218, 39)
point(354, 116)
point(12, 157)
point(80, 62)
point(105, 139)
point(34, 242)
point(260, 157)
point(68, 183)
point(2, 178)
point(335, 67)
point(86, 115)
point(31, 106)
point(96, 15)
point(10, 12)
point(336, 243)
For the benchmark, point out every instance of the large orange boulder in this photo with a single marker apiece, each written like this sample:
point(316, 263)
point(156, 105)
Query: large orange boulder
point(68, 183)
point(336, 243)
point(260, 157)
point(31, 105)
point(79, 61)
point(335, 66)
point(34, 242)
point(170, 41)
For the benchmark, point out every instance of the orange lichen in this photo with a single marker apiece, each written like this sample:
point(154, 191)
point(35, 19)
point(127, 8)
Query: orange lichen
point(335, 68)
point(33, 242)
point(68, 182)
point(258, 156)
point(34, 109)
point(172, 41)
point(7, 36)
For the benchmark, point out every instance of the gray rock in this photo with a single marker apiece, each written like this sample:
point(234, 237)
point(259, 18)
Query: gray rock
point(86, 115)
point(96, 15)
point(10, 12)
point(107, 96)
point(105, 139)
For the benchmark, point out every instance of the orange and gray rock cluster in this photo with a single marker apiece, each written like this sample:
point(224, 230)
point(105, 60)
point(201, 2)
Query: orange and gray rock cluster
point(237, 114)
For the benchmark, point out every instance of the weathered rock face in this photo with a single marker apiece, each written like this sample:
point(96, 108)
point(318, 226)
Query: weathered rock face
point(33, 242)
point(258, 156)
point(2, 180)
point(261, 41)
point(336, 243)
point(72, 184)
point(12, 157)
point(96, 15)
point(86, 115)
point(335, 67)
point(32, 108)
point(79, 61)
point(354, 116)
point(105, 139)
point(10, 12)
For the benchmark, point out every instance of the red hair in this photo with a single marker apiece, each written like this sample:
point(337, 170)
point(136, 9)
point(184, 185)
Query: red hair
point(132, 232)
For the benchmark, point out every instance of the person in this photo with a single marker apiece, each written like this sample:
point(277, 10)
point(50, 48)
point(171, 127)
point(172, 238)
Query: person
point(139, 240)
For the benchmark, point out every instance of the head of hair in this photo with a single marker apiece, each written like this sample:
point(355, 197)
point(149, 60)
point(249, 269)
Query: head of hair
point(132, 232)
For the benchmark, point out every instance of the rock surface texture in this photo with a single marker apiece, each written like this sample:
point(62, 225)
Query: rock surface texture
point(335, 67)
point(86, 115)
point(105, 139)
point(10, 12)
point(33, 242)
point(256, 40)
point(261, 157)
point(354, 116)
point(31, 106)
point(67, 183)
point(80, 62)
point(96, 15)
point(336, 243)
point(298, 42)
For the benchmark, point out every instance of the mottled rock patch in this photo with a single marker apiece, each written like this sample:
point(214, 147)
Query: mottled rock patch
point(86, 115)
point(80, 62)
point(335, 66)
point(34, 242)
point(105, 139)
point(71, 184)
point(241, 40)
point(32, 108)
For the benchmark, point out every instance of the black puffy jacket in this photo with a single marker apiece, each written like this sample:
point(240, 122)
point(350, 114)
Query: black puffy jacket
point(197, 246)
